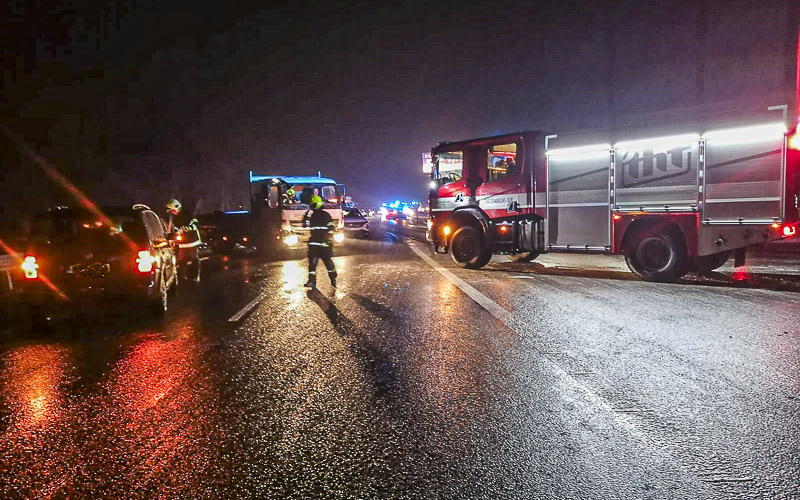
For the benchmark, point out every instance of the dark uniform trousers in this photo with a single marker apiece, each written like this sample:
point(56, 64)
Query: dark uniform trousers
point(315, 253)
point(189, 257)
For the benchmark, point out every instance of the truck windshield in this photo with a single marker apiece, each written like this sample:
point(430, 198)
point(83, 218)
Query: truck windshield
point(297, 196)
point(447, 167)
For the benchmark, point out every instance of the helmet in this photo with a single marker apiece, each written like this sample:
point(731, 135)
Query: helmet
point(174, 205)
point(290, 192)
point(316, 202)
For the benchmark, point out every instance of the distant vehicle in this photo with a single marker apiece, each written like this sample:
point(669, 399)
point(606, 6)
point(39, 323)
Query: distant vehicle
point(228, 233)
point(74, 255)
point(280, 203)
point(390, 213)
point(355, 223)
point(669, 204)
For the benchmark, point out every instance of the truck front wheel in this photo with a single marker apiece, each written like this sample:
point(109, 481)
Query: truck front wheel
point(468, 249)
point(658, 257)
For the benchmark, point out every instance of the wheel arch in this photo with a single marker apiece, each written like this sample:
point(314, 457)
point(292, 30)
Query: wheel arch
point(470, 216)
point(630, 227)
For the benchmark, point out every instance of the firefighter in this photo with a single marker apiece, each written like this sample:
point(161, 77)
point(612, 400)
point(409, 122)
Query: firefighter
point(320, 246)
point(289, 197)
point(182, 227)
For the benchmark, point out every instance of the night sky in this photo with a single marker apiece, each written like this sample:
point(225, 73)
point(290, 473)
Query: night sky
point(141, 101)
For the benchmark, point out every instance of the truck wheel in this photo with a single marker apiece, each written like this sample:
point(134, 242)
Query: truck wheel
point(524, 256)
point(658, 257)
point(468, 248)
point(707, 263)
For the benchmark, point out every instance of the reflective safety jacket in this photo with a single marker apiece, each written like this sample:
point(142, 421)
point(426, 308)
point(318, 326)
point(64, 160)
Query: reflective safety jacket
point(321, 225)
point(185, 230)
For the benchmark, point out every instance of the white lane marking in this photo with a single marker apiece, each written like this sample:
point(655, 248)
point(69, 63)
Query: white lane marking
point(622, 418)
point(246, 309)
point(485, 302)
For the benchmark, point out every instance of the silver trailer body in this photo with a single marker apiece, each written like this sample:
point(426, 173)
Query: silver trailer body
point(733, 179)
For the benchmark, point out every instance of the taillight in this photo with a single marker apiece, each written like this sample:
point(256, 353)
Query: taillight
point(789, 231)
point(145, 261)
point(244, 239)
point(794, 140)
point(30, 267)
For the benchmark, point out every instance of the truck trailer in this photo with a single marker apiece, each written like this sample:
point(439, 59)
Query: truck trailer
point(672, 204)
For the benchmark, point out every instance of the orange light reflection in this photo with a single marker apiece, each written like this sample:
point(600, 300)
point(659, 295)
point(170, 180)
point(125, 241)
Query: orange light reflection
point(67, 185)
point(42, 276)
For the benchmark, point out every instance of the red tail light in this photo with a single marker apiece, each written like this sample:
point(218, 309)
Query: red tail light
point(789, 231)
point(145, 261)
point(794, 140)
point(30, 267)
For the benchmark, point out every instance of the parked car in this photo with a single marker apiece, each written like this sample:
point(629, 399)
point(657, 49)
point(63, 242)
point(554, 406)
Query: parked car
point(228, 233)
point(74, 255)
point(355, 223)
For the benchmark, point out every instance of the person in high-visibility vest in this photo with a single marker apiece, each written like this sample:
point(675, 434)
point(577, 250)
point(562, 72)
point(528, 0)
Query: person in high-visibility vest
point(320, 246)
point(182, 227)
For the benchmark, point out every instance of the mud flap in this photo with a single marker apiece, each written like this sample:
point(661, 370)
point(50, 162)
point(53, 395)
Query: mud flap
point(739, 257)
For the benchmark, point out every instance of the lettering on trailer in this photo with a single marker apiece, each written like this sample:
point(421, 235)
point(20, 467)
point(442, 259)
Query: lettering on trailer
point(644, 165)
point(498, 202)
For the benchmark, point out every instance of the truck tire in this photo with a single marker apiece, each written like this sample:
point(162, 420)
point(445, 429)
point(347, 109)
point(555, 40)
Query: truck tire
point(707, 263)
point(524, 256)
point(660, 257)
point(468, 249)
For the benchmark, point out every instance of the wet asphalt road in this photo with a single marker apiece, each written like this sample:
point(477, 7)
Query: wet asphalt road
point(565, 378)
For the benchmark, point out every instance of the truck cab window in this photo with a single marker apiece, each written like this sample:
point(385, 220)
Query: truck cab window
point(501, 162)
point(448, 167)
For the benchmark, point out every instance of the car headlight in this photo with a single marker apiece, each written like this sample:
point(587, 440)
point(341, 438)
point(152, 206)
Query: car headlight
point(338, 237)
point(291, 240)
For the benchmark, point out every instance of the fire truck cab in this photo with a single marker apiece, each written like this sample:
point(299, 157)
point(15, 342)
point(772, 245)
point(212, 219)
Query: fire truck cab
point(671, 204)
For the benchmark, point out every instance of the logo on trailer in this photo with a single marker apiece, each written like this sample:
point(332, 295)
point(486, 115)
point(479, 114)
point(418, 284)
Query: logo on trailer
point(459, 198)
point(644, 165)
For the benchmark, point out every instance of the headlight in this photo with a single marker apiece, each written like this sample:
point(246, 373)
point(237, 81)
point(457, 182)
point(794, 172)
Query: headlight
point(338, 237)
point(430, 224)
point(291, 240)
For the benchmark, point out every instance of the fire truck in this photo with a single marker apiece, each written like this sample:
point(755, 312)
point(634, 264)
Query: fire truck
point(279, 203)
point(672, 204)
